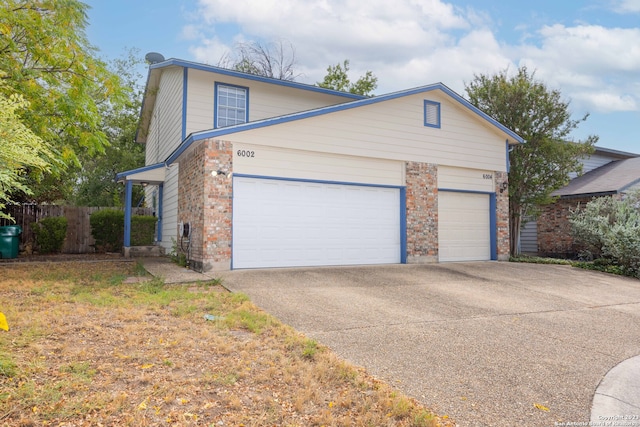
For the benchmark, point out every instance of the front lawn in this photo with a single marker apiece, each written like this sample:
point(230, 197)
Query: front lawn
point(101, 343)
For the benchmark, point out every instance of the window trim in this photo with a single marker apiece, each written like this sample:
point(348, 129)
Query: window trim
point(216, 105)
point(432, 124)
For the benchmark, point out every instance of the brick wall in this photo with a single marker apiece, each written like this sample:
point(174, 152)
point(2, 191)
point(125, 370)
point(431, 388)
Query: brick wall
point(502, 216)
point(554, 230)
point(218, 205)
point(205, 202)
point(422, 212)
point(191, 186)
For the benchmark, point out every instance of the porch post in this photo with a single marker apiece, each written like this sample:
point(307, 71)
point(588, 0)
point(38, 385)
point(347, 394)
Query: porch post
point(159, 213)
point(127, 217)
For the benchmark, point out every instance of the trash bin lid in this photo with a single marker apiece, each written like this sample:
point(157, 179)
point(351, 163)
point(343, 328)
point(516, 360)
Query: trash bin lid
point(10, 230)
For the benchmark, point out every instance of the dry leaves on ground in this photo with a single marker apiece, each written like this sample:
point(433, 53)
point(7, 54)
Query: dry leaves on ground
point(85, 348)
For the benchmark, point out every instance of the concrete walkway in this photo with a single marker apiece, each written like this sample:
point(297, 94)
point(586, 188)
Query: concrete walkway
point(171, 272)
point(617, 398)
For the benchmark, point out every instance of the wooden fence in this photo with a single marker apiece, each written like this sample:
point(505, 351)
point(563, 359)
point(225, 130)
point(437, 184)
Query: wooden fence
point(78, 240)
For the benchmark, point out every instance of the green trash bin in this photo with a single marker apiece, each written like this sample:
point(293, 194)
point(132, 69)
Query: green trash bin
point(10, 241)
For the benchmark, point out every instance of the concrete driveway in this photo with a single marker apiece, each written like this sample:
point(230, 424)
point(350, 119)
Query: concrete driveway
point(489, 344)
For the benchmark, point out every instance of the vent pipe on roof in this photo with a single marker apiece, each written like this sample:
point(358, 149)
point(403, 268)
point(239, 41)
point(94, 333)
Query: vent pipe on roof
point(153, 58)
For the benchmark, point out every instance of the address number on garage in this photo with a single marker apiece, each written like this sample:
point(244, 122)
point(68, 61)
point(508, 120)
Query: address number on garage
point(246, 153)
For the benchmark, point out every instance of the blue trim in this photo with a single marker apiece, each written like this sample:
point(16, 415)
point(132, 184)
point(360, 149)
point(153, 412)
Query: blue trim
point(403, 225)
point(453, 190)
point(238, 74)
point(212, 133)
point(127, 214)
point(403, 205)
point(123, 175)
point(493, 221)
point(508, 160)
point(185, 79)
point(159, 213)
point(493, 226)
point(426, 121)
point(215, 103)
point(318, 181)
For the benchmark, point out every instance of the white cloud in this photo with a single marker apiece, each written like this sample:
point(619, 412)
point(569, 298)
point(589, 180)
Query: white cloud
point(408, 43)
point(627, 6)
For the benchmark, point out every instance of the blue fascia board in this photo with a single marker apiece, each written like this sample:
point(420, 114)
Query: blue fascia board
point(213, 133)
point(241, 75)
point(317, 181)
point(123, 175)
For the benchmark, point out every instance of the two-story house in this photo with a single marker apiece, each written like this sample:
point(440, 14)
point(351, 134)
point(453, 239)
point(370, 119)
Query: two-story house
point(245, 171)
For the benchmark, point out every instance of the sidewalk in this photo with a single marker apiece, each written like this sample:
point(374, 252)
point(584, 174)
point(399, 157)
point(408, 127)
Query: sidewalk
point(171, 272)
point(617, 398)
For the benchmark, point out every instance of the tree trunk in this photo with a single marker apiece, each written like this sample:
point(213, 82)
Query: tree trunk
point(514, 230)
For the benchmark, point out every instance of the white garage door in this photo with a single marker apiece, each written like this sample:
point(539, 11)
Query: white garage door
point(278, 223)
point(463, 226)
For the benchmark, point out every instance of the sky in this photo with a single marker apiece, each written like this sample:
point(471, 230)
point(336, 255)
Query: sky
point(587, 50)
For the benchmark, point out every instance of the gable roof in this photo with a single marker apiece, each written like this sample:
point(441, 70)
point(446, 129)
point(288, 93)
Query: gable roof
point(198, 136)
point(155, 71)
point(612, 178)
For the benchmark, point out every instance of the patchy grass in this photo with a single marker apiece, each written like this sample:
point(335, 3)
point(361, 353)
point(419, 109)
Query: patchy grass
point(600, 264)
point(86, 349)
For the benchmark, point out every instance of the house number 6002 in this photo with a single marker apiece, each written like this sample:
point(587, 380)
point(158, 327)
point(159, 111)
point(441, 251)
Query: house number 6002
point(246, 153)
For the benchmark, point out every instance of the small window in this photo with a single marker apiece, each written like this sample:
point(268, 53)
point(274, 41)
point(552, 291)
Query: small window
point(231, 105)
point(432, 114)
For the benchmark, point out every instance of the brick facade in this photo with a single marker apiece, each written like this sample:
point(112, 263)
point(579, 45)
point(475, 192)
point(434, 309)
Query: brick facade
point(422, 212)
point(502, 215)
point(205, 201)
point(554, 229)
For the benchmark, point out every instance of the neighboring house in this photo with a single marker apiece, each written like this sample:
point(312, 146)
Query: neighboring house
point(256, 172)
point(606, 172)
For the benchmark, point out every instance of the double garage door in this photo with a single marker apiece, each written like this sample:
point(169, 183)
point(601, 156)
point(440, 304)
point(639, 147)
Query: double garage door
point(287, 223)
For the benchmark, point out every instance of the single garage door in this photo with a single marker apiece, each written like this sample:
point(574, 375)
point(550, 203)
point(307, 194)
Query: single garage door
point(281, 223)
point(463, 227)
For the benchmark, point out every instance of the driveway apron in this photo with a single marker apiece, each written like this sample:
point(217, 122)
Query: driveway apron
point(489, 344)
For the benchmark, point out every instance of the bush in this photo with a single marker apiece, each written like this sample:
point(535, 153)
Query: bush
point(107, 228)
point(143, 230)
point(50, 233)
point(610, 229)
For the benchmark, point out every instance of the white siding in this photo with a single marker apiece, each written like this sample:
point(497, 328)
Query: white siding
point(170, 207)
point(465, 179)
point(393, 130)
point(284, 163)
point(165, 128)
point(265, 99)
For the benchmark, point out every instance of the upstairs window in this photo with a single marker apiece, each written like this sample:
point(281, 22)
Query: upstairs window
point(231, 105)
point(432, 114)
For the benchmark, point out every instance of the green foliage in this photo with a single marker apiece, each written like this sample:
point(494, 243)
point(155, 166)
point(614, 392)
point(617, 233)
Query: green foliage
point(337, 78)
point(539, 115)
point(143, 230)
point(46, 58)
point(177, 255)
point(50, 233)
point(107, 228)
point(95, 184)
point(609, 228)
point(22, 150)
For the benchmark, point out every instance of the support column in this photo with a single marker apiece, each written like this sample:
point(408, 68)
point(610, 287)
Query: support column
point(160, 213)
point(127, 218)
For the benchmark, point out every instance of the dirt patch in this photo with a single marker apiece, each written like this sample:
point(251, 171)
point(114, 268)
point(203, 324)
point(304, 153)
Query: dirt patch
point(87, 349)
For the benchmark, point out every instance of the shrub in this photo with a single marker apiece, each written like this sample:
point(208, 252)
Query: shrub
point(107, 228)
point(50, 233)
point(610, 229)
point(143, 230)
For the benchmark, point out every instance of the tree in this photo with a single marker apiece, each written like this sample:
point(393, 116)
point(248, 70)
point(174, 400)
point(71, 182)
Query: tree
point(273, 60)
point(47, 59)
point(543, 163)
point(22, 150)
point(95, 184)
point(337, 78)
